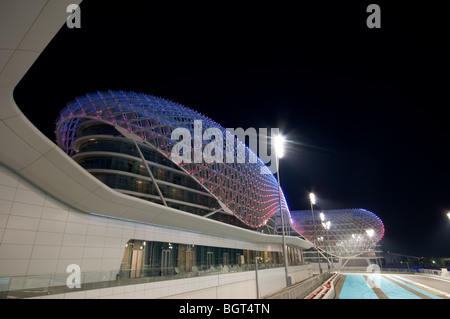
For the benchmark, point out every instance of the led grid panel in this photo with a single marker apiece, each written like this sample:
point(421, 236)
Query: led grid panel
point(342, 232)
point(251, 196)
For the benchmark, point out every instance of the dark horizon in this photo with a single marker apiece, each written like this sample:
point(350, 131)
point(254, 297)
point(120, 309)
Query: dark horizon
point(363, 108)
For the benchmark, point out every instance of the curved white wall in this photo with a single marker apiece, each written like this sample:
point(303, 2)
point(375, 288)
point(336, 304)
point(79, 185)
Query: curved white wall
point(39, 235)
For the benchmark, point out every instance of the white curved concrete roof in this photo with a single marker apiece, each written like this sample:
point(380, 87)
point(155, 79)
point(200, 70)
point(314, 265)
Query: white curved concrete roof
point(26, 27)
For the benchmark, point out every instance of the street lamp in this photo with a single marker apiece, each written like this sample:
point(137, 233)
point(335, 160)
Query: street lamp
point(256, 274)
point(312, 200)
point(370, 232)
point(279, 151)
point(326, 225)
point(448, 215)
point(279, 145)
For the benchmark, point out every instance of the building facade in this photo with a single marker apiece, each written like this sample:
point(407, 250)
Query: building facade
point(42, 237)
point(125, 140)
point(345, 237)
point(88, 204)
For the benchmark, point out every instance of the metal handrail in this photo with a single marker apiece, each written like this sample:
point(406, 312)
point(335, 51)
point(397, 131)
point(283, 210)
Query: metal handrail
point(38, 285)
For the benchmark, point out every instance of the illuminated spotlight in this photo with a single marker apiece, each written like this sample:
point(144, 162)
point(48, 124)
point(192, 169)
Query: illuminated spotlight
point(279, 141)
point(370, 232)
point(312, 198)
point(322, 217)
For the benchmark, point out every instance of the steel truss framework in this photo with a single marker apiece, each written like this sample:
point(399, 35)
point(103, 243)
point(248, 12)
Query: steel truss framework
point(342, 232)
point(239, 187)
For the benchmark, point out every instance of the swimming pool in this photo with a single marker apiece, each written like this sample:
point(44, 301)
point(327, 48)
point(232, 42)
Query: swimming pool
point(381, 286)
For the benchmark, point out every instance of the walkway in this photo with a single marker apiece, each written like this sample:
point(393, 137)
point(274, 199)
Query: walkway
point(384, 286)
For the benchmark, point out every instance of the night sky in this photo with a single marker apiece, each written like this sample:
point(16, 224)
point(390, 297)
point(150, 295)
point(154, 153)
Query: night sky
point(365, 110)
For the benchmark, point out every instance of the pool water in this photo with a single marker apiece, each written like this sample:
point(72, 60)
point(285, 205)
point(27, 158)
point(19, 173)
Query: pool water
point(385, 286)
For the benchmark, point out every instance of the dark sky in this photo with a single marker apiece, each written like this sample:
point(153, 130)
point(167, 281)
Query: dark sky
point(365, 109)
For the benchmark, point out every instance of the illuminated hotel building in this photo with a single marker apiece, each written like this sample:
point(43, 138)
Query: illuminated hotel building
point(349, 237)
point(108, 198)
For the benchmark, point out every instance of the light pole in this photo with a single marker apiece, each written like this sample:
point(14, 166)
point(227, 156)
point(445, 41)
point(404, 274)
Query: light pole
point(370, 232)
point(279, 150)
point(326, 225)
point(312, 200)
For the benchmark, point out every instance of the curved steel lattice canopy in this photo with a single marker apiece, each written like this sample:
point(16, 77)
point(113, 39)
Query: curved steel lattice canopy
point(240, 187)
point(343, 232)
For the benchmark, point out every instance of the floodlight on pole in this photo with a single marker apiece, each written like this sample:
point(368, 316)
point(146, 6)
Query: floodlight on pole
point(312, 200)
point(279, 145)
point(326, 225)
point(370, 232)
point(279, 152)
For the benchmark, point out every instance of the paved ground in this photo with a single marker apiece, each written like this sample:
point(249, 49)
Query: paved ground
point(386, 286)
point(433, 282)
